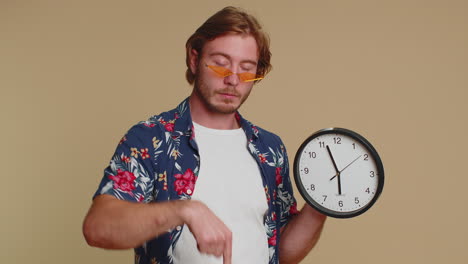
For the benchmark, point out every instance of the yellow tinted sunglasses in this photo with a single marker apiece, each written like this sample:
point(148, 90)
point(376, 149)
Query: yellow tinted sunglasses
point(243, 76)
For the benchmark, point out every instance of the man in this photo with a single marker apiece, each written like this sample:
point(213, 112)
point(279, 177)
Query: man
point(200, 184)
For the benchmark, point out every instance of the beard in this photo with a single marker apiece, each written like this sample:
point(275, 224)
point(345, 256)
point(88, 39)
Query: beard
point(209, 97)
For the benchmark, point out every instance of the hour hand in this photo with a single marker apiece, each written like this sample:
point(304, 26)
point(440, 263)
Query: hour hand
point(336, 169)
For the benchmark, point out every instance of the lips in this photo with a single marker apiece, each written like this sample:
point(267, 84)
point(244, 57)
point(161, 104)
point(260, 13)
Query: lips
point(228, 94)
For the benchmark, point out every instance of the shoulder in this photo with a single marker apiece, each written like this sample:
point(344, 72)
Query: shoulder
point(266, 136)
point(156, 127)
point(153, 127)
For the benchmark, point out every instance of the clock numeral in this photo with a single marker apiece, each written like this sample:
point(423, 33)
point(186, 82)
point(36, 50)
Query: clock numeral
point(337, 140)
point(312, 155)
point(312, 187)
point(322, 144)
point(324, 198)
point(366, 156)
point(340, 203)
point(354, 145)
point(306, 170)
point(367, 190)
point(356, 200)
point(372, 174)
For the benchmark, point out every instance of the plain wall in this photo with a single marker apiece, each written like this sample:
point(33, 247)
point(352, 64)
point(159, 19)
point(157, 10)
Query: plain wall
point(76, 75)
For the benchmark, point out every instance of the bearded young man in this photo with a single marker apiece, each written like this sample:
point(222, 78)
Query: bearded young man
point(200, 184)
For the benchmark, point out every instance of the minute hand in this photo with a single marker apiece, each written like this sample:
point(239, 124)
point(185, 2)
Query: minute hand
point(346, 166)
point(333, 160)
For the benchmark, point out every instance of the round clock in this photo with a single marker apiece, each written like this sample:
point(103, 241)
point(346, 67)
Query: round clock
point(338, 172)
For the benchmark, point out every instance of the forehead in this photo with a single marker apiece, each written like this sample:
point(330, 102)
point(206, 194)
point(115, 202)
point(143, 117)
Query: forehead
point(237, 47)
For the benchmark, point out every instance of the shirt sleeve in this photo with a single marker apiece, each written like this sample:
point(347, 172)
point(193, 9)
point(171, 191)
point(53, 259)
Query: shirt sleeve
point(130, 174)
point(286, 200)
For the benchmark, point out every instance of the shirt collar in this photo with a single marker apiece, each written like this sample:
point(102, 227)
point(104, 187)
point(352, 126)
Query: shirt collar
point(184, 124)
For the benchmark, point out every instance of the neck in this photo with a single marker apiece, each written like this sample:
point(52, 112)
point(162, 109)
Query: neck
point(202, 115)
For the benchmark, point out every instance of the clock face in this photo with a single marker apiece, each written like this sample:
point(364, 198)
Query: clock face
point(338, 172)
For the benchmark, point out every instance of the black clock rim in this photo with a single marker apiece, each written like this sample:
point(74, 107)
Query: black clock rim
point(372, 152)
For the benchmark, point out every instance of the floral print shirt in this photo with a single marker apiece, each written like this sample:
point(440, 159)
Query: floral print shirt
point(158, 160)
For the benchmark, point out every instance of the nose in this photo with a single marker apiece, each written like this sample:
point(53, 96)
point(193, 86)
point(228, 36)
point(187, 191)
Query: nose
point(232, 80)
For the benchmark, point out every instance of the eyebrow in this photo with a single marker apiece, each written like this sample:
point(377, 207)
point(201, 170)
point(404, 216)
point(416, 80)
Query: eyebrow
point(229, 57)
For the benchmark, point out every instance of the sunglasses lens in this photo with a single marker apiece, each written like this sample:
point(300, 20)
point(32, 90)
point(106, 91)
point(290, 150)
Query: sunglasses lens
point(249, 77)
point(221, 71)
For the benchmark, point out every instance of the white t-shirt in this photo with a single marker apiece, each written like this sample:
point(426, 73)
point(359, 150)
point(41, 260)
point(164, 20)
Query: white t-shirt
point(230, 184)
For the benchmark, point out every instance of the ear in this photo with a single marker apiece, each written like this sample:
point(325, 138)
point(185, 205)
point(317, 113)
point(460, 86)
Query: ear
point(193, 58)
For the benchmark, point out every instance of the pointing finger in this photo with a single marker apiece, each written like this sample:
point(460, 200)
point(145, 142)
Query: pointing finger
point(227, 255)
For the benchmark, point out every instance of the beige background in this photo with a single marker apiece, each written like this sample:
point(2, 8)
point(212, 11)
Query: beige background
point(75, 75)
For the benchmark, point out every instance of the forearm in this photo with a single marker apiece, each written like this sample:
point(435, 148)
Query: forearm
point(116, 224)
point(300, 235)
